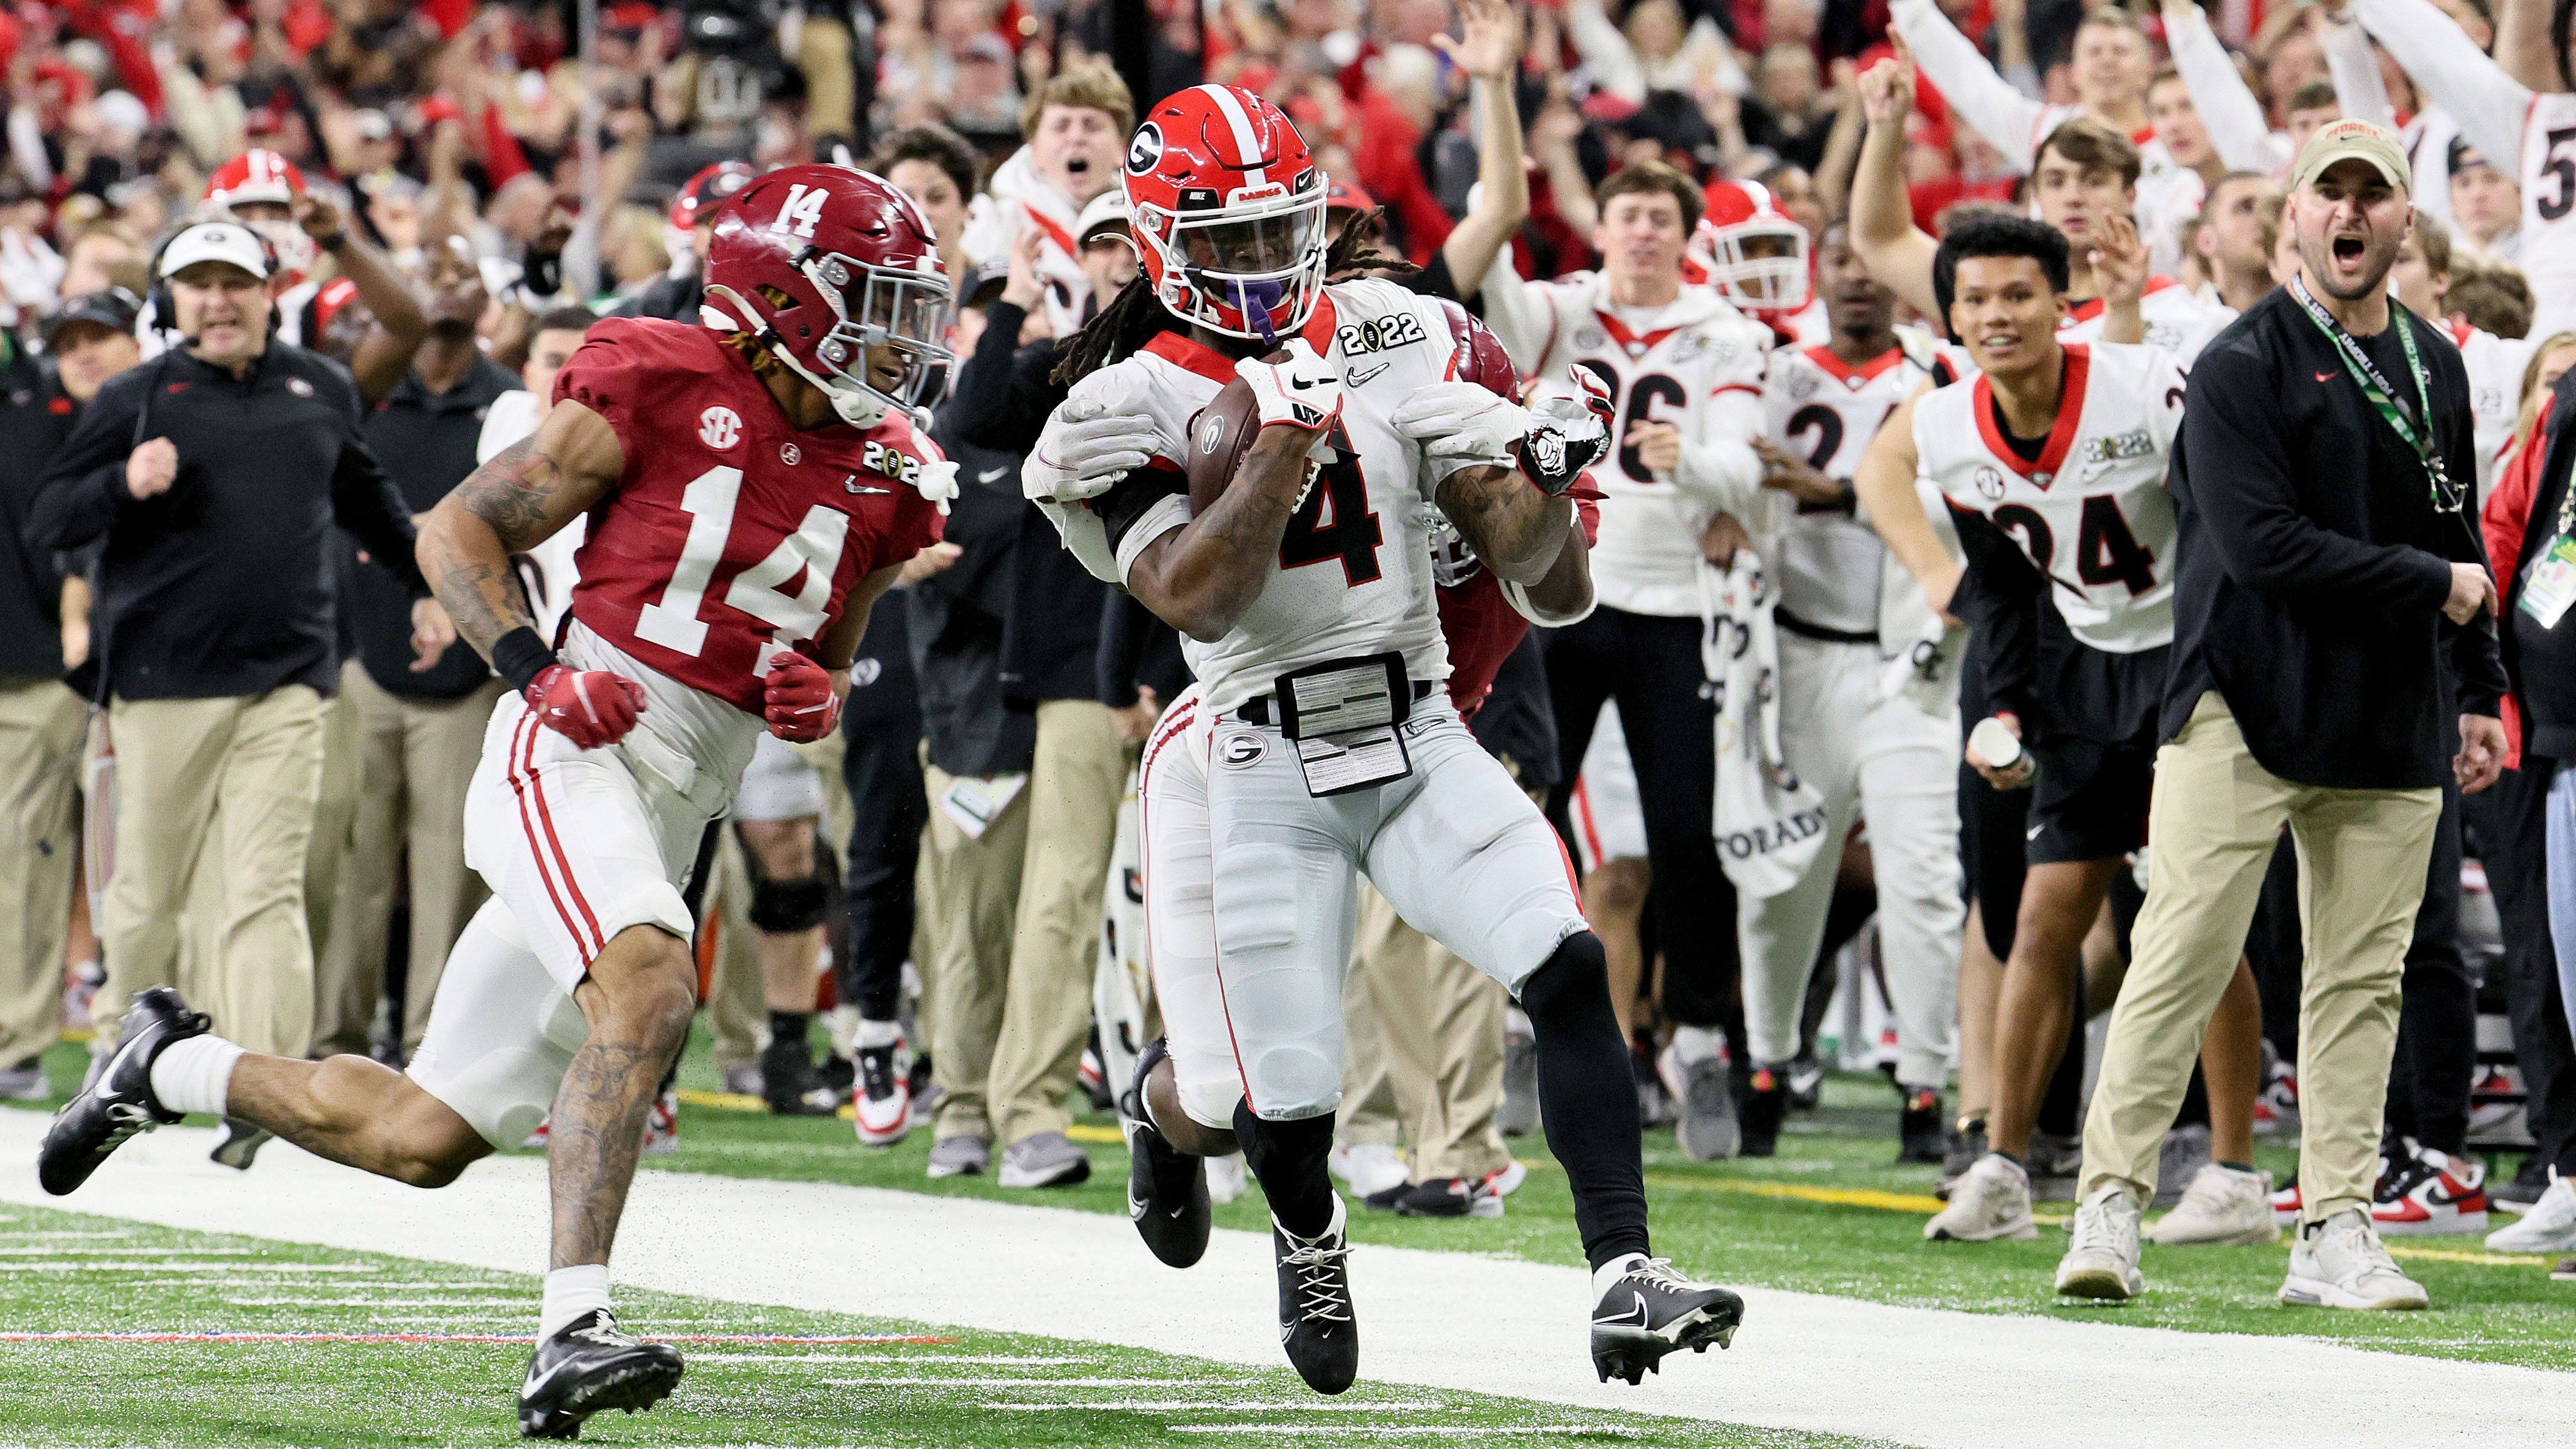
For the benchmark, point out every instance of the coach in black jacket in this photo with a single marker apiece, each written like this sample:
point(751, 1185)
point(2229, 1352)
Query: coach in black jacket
point(214, 475)
point(2327, 570)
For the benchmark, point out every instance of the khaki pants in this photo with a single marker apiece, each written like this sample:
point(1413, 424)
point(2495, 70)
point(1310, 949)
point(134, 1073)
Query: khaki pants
point(2362, 854)
point(234, 780)
point(326, 853)
point(737, 998)
point(41, 725)
point(1075, 784)
point(970, 893)
point(415, 759)
point(1424, 1049)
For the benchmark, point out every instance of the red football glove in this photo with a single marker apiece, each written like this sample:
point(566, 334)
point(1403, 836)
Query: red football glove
point(590, 707)
point(798, 700)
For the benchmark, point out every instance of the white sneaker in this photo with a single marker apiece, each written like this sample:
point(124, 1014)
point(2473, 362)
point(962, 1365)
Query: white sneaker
point(1992, 1201)
point(1509, 1180)
point(1370, 1167)
point(2221, 1205)
point(2550, 1226)
point(1226, 1178)
point(2102, 1261)
point(2340, 1263)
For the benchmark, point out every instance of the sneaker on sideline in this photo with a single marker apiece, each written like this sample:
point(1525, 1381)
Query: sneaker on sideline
point(2435, 1195)
point(2340, 1263)
point(2222, 1205)
point(2549, 1227)
point(1368, 1168)
point(2102, 1259)
point(1991, 1201)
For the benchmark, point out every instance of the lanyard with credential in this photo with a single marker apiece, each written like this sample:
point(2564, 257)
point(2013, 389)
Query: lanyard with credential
point(2447, 497)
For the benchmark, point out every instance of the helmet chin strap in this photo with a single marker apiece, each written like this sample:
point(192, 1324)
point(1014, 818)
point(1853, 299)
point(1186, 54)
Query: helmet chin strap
point(857, 405)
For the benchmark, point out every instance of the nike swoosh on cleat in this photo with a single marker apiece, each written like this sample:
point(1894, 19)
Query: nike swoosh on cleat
point(1621, 1319)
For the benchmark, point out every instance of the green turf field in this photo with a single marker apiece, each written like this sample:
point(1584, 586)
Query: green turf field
point(1832, 1213)
point(102, 1325)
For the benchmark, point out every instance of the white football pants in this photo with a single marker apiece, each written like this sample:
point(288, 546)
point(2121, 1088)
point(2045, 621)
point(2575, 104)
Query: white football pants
point(1889, 763)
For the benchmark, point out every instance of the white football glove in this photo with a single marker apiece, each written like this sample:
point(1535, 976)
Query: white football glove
point(1463, 420)
point(938, 483)
point(1299, 391)
point(1089, 444)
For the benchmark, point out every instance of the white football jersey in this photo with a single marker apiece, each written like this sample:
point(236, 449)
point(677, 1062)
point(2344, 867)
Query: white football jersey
point(1355, 569)
point(2176, 321)
point(2091, 513)
point(1679, 363)
point(2548, 231)
point(2495, 366)
point(1825, 410)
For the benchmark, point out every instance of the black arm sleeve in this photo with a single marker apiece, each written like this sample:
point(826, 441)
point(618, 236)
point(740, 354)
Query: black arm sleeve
point(1122, 647)
point(1129, 497)
point(82, 493)
point(1999, 597)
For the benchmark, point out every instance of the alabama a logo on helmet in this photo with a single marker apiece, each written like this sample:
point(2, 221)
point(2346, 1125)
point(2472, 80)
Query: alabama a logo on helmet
point(1146, 149)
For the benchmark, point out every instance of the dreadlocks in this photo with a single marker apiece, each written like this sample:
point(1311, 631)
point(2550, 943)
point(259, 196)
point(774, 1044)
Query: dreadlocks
point(1135, 315)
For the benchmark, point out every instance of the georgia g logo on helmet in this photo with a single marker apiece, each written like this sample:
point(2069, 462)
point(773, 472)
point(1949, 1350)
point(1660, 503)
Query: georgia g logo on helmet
point(1228, 209)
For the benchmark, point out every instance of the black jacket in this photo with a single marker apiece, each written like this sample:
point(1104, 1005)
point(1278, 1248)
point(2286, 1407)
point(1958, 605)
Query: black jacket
point(2311, 564)
point(1051, 633)
point(35, 417)
point(673, 299)
point(957, 620)
point(223, 585)
point(427, 441)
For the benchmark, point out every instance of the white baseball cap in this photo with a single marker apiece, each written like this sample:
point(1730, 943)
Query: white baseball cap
point(216, 241)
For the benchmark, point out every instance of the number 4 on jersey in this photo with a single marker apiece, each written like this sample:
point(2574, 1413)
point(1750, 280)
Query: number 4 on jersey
point(814, 550)
point(1334, 522)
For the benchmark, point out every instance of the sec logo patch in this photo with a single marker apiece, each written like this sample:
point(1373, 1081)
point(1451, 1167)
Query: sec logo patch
point(1989, 483)
point(790, 454)
point(719, 428)
point(1243, 751)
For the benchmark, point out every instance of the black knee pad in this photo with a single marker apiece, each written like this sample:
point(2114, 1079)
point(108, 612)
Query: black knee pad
point(781, 906)
point(1577, 970)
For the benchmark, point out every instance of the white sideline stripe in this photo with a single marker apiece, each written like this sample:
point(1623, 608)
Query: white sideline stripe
point(1418, 1431)
point(1023, 1381)
point(1221, 1406)
point(906, 1356)
point(68, 1253)
point(1928, 1377)
point(383, 1302)
point(184, 1269)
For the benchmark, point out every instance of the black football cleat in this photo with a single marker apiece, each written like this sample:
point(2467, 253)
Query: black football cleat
point(1759, 1115)
point(241, 1144)
point(1167, 1192)
point(118, 1101)
point(1652, 1311)
point(790, 1085)
point(1317, 1323)
point(588, 1368)
point(1919, 1136)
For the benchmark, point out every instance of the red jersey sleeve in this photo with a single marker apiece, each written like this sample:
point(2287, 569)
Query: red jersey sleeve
point(623, 367)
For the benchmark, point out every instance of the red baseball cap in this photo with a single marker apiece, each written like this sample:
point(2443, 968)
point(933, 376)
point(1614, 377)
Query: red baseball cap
point(1344, 194)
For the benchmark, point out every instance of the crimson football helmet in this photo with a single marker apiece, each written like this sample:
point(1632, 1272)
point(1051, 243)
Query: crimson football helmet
point(1750, 250)
point(824, 265)
point(260, 175)
point(1229, 207)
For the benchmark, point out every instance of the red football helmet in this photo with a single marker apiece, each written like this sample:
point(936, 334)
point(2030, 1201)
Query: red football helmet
point(1229, 206)
point(260, 176)
point(1750, 250)
point(700, 195)
point(825, 266)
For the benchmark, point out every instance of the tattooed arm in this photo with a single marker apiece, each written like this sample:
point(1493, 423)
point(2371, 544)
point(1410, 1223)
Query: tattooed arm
point(1517, 530)
point(1204, 576)
point(519, 499)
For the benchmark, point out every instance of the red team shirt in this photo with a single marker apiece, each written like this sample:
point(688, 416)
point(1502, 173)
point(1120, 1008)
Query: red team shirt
point(732, 533)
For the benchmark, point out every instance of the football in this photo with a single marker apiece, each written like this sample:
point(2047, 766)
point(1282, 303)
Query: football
point(1219, 435)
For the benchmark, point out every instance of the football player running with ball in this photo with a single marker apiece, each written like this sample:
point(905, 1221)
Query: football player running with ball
point(1318, 742)
point(751, 489)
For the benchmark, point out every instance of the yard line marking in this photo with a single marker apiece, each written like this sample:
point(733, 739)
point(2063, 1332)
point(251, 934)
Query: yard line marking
point(863, 1360)
point(383, 1302)
point(60, 1233)
point(1202, 1406)
point(43, 1250)
point(1462, 1431)
point(225, 1270)
point(150, 1336)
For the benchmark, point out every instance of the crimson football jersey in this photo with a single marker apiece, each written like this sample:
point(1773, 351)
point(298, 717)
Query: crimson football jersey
point(732, 534)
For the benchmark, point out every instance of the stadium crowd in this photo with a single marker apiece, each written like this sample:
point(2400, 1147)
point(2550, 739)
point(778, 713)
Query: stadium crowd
point(253, 784)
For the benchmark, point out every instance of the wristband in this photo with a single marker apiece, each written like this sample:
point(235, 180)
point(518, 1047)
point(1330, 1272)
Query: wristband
point(521, 655)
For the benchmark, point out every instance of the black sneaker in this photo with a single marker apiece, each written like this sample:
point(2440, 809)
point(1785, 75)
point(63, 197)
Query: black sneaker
point(789, 1085)
point(1388, 1199)
point(1651, 1311)
point(1167, 1192)
point(1765, 1107)
point(588, 1368)
point(1317, 1325)
point(1918, 1128)
point(838, 1074)
point(1456, 1197)
point(1967, 1143)
point(118, 1102)
point(241, 1144)
point(1806, 1084)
